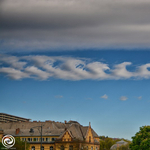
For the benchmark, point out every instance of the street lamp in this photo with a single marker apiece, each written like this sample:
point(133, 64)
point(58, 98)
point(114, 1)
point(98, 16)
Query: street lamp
point(32, 131)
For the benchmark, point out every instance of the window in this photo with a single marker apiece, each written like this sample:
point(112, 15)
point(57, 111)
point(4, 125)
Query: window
point(62, 147)
point(53, 139)
point(33, 148)
point(40, 139)
point(23, 139)
point(35, 139)
point(70, 147)
point(47, 139)
point(51, 148)
point(29, 139)
point(96, 148)
point(91, 147)
point(90, 139)
point(42, 147)
point(87, 148)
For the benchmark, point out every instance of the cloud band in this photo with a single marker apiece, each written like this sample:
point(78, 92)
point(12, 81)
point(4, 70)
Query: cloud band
point(42, 67)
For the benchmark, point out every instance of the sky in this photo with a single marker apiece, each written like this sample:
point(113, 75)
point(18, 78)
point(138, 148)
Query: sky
point(79, 60)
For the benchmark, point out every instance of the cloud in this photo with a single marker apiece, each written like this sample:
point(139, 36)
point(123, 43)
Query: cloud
point(121, 71)
point(64, 24)
point(13, 73)
point(104, 96)
point(41, 67)
point(58, 96)
point(123, 98)
point(140, 97)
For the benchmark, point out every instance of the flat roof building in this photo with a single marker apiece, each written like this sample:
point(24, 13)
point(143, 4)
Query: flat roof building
point(10, 118)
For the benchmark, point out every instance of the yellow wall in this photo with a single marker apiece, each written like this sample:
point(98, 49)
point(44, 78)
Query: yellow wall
point(97, 139)
point(1, 135)
point(89, 134)
point(67, 137)
point(46, 146)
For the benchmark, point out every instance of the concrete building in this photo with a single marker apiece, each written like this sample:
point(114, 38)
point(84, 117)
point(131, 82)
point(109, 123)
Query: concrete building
point(10, 118)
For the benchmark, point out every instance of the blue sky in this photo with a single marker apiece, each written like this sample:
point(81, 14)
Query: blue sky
point(81, 60)
point(115, 107)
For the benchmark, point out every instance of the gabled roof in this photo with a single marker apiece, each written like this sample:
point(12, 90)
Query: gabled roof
point(78, 131)
point(50, 128)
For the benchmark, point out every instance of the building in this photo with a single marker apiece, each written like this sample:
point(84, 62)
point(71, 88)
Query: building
point(119, 144)
point(10, 118)
point(55, 135)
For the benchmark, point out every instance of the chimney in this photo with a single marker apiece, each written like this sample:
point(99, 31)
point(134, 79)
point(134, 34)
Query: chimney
point(17, 131)
point(65, 121)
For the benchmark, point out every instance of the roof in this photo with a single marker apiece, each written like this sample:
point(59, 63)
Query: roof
point(11, 118)
point(49, 128)
point(118, 144)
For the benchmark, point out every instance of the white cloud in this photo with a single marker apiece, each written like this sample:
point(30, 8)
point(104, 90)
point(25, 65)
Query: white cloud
point(37, 73)
point(104, 96)
point(67, 68)
point(120, 71)
point(140, 97)
point(123, 98)
point(13, 73)
point(58, 96)
point(143, 71)
point(89, 98)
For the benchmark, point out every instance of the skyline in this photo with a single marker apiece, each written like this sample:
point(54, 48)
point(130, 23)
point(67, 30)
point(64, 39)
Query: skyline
point(87, 61)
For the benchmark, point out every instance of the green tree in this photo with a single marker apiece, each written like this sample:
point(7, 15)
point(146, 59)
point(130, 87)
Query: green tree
point(141, 140)
point(2, 147)
point(106, 143)
point(124, 147)
point(20, 145)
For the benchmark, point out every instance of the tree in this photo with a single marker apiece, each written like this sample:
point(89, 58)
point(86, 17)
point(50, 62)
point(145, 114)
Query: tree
point(106, 143)
point(20, 145)
point(141, 140)
point(1, 146)
point(124, 147)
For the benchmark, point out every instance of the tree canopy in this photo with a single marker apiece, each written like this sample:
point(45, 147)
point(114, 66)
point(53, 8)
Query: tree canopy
point(21, 145)
point(141, 140)
point(2, 147)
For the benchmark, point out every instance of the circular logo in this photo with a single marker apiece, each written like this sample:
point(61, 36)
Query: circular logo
point(8, 141)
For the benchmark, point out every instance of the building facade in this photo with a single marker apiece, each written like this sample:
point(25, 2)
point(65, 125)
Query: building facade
point(55, 135)
point(10, 118)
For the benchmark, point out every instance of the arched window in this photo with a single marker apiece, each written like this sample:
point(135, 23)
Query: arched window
point(91, 147)
point(62, 147)
point(51, 148)
point(87, 148)
point(42, 147)
point(33, 148)
point(70, 147)
point(89, 139)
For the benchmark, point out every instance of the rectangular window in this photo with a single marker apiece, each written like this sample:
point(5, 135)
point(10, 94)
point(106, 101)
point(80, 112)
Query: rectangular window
point(23, 139)
point(35, 139)
point(30, 139)
point(40, 139)
point(47, 139)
